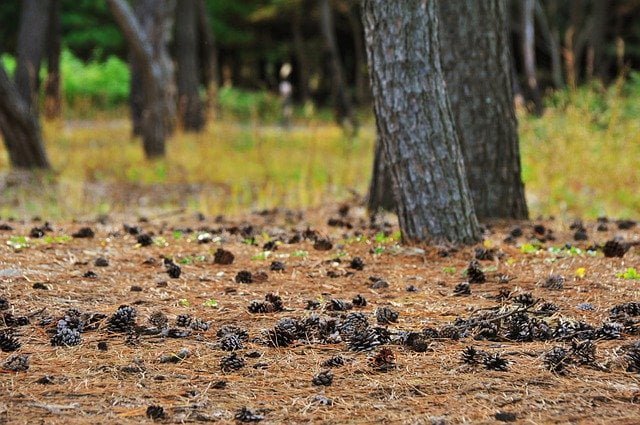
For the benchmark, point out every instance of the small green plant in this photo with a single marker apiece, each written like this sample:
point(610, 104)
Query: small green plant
point(631, 274)
point(261, 256)
point(18, 242)
point(160, 241)
point(449, 270)
point(210, 303)
point(529, 248)
point(183, 302)
point(300, 253)
point(378, 250)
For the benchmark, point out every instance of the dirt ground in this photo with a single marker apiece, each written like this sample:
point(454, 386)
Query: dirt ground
point(425, 383)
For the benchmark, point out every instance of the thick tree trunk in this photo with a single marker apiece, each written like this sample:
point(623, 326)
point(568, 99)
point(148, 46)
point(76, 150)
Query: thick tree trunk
point(34, 20)
point(343, 105)
point(477, 68)
point(209, 55)
point(190, 108)
point(147, 37)
point(302, 64)
point(529, 53)
point(415, 123)
point(20, 128)
point(53, 101)
point(380, 195)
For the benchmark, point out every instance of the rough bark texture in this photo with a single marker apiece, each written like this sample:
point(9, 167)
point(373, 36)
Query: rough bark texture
point(53, 101)
point(190, 107)
point(529, 53)
point(147, 37)
point(477, 68)
point(415, 123)
point(34, 20)
point(343, 104)
point(20, 128)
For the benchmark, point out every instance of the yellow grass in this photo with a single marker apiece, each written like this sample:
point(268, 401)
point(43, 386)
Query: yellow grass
point(579, 159)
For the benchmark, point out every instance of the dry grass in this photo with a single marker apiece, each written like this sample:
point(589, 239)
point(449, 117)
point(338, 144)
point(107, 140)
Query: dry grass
point(89, 386)
point(579, 160)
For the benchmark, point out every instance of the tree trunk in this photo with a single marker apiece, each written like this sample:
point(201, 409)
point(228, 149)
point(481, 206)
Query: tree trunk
point(344, 108)
point(302, 64)
point(551, 33)
point(53, 101)
point(136, 95)
point(34, 20)
point(380, 195)
point(477, 68)
point(597, 39)
point(362, 88)
point(20, 128)
point(529, 53)
point(147, 37)
point(415, 123)
point(190, 107)
point(209, 55)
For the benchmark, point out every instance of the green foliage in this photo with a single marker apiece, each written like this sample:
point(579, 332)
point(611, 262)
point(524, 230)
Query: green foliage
point(101, 84)
point(246, 105)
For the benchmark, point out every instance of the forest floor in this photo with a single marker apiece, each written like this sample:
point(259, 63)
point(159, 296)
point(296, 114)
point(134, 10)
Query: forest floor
point(542, 289)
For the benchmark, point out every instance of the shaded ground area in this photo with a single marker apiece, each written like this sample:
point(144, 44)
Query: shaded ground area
point(256, 334)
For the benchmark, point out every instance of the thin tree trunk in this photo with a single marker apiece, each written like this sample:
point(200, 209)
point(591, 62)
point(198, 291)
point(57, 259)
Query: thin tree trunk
point(360, 55)
point(415, 123)
point(477, 68)
point(190, 107)
point(552, 35)
point(381, 196)
point(53, 101)
point(343, 104)
point(302, 63)
point(34, 20)
point(20, 128)
point(209, 55)
point(529, 53)
point(136, 94)
point(597, 39)
point(147, 39)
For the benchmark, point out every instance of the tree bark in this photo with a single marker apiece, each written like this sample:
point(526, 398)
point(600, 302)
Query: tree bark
point(34, 20)
point(343, 105)
point(147, 37)
point(415, 123)
point(529, 53)
point(477, 68)
point(209, 55)
point(53, 101)
point(20, 128)
point(381, 196)
point(190, 107)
